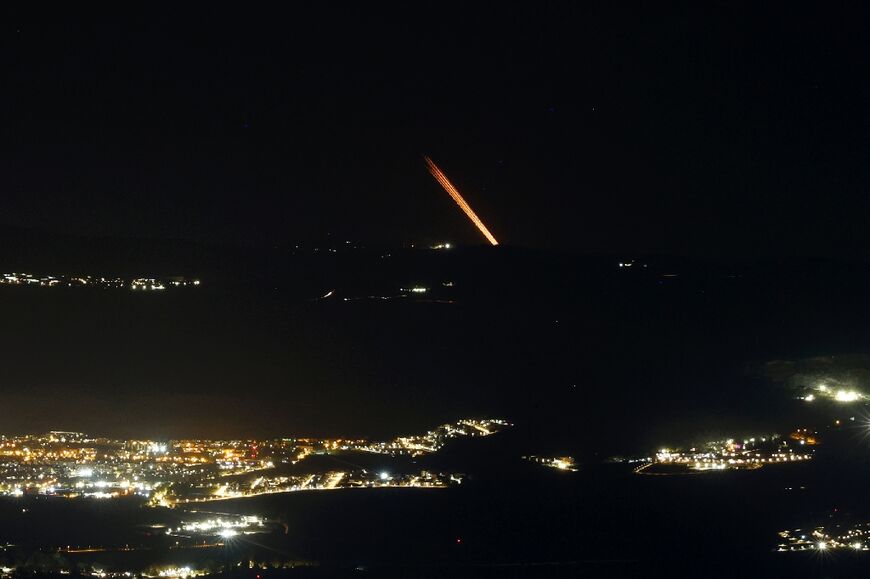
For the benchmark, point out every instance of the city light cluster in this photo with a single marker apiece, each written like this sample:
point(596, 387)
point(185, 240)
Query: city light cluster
point(843, 537)
point(559, 462)
point(433, 440)
point(206, 490)
point(730, 454)
point(166, 473)
point(224, 526)
point(139, 283)
point(179, 572)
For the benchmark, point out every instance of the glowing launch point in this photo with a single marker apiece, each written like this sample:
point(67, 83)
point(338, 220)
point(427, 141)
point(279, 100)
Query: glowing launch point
point(454, 193)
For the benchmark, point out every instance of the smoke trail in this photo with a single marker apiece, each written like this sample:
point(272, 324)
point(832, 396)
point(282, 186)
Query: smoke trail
point(454, 193)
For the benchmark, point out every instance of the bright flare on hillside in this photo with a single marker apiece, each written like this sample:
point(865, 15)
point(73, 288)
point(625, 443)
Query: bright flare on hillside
point(448, 186)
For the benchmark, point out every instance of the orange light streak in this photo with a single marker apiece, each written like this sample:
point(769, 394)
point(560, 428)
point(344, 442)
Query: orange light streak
point(454, 193)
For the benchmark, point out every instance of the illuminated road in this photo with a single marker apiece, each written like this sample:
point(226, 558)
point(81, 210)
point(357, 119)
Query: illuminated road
point(126, 549)
point(689, 470)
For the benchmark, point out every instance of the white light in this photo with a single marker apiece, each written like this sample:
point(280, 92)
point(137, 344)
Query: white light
point(385, 475)
point(227, 533)
point(822, 546)
point(809, 397)
point(846, 396)
point(85, 472)
point(856, 546)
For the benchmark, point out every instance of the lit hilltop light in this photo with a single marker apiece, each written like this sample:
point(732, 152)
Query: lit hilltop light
point(837, 394)
point(730, 454)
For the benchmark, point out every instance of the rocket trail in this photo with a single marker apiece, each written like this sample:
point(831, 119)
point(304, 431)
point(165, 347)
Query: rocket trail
point(454, 193)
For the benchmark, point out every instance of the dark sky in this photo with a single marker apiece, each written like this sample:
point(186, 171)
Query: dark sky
point(725, 129)
point(721, 129)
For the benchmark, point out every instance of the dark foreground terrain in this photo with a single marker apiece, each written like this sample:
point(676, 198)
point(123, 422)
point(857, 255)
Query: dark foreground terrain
point(586, 358)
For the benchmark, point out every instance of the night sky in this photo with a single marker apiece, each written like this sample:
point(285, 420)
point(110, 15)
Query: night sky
point(735, 130)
